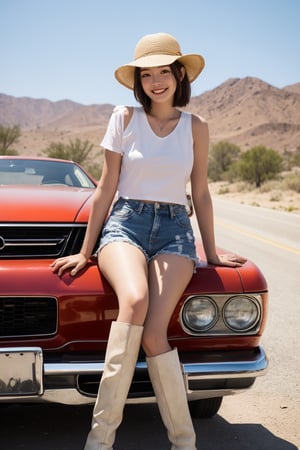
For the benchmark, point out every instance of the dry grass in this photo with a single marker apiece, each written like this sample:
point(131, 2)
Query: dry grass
point(273, 194)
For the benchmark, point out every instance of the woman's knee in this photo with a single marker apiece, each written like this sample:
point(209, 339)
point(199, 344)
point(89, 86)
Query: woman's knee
point(134, 306)
point(154, 342)
point(138, 304)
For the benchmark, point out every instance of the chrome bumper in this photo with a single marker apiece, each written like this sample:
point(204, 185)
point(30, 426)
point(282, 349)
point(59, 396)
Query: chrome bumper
point(23, 373)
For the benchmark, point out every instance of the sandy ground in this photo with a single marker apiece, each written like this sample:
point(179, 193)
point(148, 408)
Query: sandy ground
point(288, 201)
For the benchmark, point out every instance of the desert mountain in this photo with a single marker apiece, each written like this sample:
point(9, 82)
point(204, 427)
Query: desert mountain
point(245, 111)
point(251, 112)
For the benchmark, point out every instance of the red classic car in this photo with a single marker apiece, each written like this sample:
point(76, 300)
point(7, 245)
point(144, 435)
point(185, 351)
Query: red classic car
point(53, 331)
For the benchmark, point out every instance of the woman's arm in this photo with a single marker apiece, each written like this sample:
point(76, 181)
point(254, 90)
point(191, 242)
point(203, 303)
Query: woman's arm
point(102, 200)
point(101, 203)
point(201, 196)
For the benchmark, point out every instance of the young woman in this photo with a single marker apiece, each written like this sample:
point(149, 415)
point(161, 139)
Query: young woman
point(147, 250)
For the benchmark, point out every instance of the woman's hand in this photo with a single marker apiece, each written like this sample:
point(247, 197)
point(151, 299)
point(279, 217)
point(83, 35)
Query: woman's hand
point(228, 259)
point(74, 263)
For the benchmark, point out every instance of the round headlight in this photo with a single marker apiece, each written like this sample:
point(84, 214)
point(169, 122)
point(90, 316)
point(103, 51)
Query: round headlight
point(200, 314)
point(241, 313)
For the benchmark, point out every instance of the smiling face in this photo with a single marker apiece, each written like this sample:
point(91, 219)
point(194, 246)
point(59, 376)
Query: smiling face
point(158, 83)
point(162, 83)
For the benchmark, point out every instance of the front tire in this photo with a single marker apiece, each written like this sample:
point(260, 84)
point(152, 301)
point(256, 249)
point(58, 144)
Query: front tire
point(205, 408)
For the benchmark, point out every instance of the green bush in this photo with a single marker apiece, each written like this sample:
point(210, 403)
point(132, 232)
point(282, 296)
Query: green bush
point(77, 150)
point(221, 157)
point(259, 164)
point(8, 137)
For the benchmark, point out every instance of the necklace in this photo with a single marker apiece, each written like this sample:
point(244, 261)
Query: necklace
point(162, 126)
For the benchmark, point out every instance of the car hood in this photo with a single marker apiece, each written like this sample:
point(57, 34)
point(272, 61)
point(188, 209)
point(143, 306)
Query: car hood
point(44, 204)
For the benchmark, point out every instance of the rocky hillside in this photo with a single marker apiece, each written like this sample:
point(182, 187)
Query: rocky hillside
point(244, 111)
point(251, 112)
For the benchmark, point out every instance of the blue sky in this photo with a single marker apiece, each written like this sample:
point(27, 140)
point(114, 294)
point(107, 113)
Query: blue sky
point(69, 49)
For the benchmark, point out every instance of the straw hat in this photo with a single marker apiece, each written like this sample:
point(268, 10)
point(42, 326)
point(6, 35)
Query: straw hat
point(158, 49)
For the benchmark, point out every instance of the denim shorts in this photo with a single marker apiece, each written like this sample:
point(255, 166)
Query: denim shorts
point(155, 228)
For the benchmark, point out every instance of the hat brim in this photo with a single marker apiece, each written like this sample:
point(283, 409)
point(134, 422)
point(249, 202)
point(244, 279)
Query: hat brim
point(193, 64)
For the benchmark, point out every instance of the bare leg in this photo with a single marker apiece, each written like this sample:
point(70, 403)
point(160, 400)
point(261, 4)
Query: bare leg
point(125, 268)
point(168, 277)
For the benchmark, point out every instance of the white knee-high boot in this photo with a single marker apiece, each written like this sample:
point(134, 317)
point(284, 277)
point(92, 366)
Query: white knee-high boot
point(167, 381)
point(120, 359)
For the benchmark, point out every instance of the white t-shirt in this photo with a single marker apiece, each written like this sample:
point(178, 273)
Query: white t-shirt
point(153, 168)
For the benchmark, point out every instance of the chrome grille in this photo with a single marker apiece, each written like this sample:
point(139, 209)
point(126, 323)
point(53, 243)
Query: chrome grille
point(28, 316)
point(39, 240)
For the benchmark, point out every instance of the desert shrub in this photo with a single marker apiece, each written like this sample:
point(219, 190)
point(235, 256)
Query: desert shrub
point(275, 196)
point(259, 164)
point(270, 185)
point(223, 190)
point(291, 159)
point(292, 182)
point(8, 137)
point(222, 155)
point(78, 151)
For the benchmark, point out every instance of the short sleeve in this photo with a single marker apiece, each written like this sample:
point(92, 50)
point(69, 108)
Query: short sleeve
point(112, 139)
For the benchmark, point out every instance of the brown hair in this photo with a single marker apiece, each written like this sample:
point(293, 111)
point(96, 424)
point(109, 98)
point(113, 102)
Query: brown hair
point(182, 94)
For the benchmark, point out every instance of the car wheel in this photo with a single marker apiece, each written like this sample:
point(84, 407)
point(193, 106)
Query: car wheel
point(205, 408)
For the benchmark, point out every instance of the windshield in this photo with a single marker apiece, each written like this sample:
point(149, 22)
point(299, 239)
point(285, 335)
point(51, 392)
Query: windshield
point(42, 172)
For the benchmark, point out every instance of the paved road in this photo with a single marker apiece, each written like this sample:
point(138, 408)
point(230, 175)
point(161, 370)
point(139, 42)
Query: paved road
point(265, 418)
point(272, 240)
